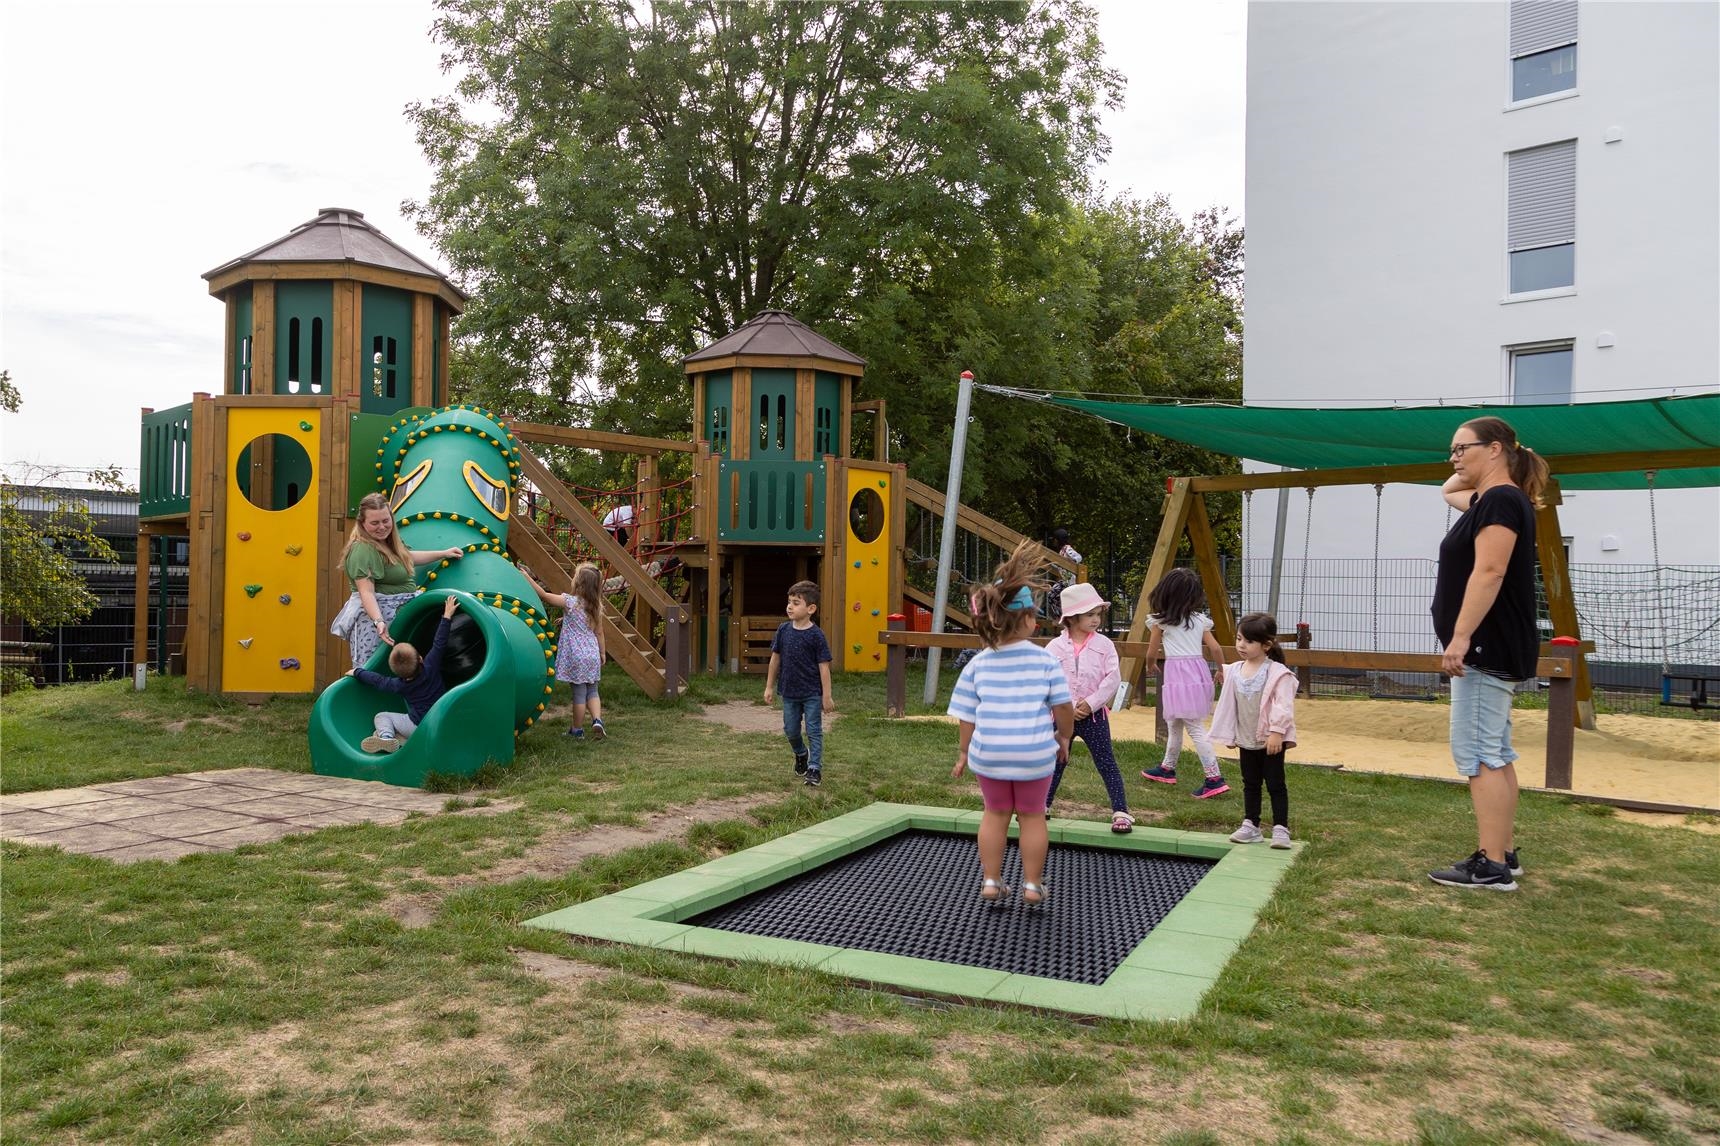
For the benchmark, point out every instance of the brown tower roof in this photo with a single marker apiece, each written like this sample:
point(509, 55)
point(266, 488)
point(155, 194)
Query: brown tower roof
point(338, 235)
point(774, 334)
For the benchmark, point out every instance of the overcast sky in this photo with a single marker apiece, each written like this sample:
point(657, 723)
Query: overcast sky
point(146, 143)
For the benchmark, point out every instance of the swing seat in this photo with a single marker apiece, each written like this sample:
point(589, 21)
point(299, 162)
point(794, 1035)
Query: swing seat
point(1697, 697)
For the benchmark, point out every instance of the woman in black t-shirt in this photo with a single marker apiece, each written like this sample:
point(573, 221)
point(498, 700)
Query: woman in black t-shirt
point(1484, 616)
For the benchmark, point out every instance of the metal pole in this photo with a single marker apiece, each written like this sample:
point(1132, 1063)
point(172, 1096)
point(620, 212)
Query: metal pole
point(947, 547)
point(1278, 549)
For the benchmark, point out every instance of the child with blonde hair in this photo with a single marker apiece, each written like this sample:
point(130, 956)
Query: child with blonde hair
point(1016, 719)
point(579, 650)
point(417, 678)
point(1183, 631)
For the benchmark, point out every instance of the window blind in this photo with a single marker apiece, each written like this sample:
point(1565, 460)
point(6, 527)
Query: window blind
point(1537, 25)
point(1542, 196)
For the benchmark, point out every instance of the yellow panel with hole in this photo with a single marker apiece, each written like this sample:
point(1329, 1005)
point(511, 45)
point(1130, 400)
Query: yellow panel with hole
point(274, 508)
point(867, 576)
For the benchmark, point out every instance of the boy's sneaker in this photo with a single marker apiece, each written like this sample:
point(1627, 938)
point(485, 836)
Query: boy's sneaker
point(1280, 836)
point(1211, 786)
point(383, 744)
point(1476, 871)
point(597, 732)
point(1248, 833)
point(1515, 864)
point(814, 777)
point(800, 759)
point(1162, 774)
point(576, 733)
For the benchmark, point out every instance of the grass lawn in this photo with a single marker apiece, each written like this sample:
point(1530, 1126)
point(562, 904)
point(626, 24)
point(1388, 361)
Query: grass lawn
point(372, 984)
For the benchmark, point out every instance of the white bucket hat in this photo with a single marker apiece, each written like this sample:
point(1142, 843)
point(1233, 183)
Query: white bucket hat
point(1080, 598)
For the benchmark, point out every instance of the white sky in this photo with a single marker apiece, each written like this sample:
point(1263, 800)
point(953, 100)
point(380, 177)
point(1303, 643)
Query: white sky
point(143, 144)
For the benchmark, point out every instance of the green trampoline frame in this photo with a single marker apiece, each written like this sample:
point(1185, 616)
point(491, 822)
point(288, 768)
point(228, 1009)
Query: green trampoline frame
point(1163, 978)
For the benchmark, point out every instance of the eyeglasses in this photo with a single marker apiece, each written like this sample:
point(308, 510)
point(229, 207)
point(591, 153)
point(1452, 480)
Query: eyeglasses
point(1457, 451)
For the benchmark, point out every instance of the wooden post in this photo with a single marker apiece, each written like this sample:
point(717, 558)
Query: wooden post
point(896, 671)
point(140, 604)
point(1561, 715)
point(1561, 603)
point(262, 337)
point(1304, 673)
point(672, 668)
point(1206, 562)
point(423, 349)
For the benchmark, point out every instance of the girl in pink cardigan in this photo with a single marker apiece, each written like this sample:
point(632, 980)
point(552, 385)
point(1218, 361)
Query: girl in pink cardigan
point(1089, 661)
point(1256, 715)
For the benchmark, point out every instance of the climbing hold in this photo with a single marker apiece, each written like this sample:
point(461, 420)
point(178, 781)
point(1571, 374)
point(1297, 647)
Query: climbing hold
point(243, 536)
point(285, 598)
point(295, 550)
point(875, 612)
point(874, 561)
point(877, 656)
point(245, 642)
point(856, 606)
point(859, 648)
point(857, 565)
point(307, 428)
point(253, 590)
point(289, 662)
point(882, 484)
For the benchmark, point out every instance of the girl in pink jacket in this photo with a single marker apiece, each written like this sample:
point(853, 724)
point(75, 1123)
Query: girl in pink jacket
point(1089, 661)
point(1256, 715)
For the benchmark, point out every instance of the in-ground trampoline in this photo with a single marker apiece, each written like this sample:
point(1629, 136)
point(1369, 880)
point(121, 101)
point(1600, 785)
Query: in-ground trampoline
point(1135, 926)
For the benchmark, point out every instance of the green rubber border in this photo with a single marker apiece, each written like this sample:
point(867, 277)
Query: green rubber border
point(1162, 978)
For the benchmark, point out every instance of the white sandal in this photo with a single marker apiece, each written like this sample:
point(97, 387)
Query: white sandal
point(1000, 892)
point(1122, 823)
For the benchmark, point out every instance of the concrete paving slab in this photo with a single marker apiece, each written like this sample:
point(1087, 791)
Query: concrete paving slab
point(148, 786)
point(120, 808)
point(54, 798)
point(18, 825)
point(88, 839)
point(261, 832)
point(282, 806)
point(187, 822)
point(157, 850)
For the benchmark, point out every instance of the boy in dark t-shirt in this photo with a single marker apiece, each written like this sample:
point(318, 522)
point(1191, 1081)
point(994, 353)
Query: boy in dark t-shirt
point(418, 679)
point(801, 655)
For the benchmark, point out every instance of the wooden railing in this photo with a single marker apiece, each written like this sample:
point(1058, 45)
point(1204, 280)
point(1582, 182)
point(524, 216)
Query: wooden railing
point(1557, 665)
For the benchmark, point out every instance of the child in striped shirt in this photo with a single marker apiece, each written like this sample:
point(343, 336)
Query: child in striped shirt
point(1016, 722)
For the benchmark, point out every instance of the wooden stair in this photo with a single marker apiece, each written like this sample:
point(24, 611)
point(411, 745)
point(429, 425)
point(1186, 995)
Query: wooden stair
point(634, 651)
point(952, 612)
point(756, 634)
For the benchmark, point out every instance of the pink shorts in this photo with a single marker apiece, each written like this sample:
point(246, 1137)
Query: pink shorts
point(1023, 797)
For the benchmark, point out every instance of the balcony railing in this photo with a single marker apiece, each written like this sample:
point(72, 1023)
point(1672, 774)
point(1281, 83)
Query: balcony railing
point(164, 470)
point(770, 500)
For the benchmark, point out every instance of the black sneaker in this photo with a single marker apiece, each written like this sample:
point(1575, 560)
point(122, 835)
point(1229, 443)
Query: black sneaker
point(814, 777)
point(1476, 871)
point(800, 759)
point(1515, 864)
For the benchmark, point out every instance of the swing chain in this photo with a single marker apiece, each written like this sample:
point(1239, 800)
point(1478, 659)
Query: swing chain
point(1307, 535)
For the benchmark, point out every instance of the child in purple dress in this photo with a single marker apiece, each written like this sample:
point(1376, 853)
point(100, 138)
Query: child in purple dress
point(579, 649)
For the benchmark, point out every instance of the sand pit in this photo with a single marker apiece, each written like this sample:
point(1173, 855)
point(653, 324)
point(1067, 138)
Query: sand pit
point(1650, 758)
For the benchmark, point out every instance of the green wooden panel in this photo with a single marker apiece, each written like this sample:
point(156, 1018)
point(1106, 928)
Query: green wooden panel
point(304, 337)
point(770, 499)
point(239, 370)
point(717, 417)
point(827, 416)
point(771, 416)
point(385, 372)
point(164, 464)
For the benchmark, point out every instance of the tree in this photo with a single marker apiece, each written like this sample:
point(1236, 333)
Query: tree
point(620, 186)
point(40, 546)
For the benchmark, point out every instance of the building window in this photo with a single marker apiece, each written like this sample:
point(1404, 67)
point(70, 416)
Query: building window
point(1541, 374)
point(1541, 223)
point(1543, 47)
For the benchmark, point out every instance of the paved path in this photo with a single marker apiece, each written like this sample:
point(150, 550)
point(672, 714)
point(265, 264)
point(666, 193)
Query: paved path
point(165, 817)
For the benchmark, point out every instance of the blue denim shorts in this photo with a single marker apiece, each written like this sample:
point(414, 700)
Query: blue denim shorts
point(1480, 722)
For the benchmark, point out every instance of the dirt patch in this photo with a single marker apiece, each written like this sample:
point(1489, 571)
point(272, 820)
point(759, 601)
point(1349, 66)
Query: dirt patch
point(751, 716)
point(560, 852)
point(225, 724)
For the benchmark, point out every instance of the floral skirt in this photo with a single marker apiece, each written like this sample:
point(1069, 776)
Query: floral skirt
point(364, 640)
point(1185, 692)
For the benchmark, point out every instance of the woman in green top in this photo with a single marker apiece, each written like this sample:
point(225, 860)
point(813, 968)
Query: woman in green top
point(382, 571)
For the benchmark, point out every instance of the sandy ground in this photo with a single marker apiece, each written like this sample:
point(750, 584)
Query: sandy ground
point(1664, 761)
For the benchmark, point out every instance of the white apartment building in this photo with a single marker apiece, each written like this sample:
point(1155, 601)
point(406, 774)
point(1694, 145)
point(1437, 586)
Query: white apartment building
point(1502, 201)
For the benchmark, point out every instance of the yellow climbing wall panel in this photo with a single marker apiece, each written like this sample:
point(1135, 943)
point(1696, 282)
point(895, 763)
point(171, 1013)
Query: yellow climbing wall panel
point(269, 598)
point(868, 572)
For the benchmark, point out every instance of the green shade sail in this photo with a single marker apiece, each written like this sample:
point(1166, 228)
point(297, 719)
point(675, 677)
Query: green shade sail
point(1315, 439)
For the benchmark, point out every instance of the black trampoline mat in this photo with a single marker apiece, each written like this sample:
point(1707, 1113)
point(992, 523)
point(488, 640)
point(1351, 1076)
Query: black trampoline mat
point(917, 894)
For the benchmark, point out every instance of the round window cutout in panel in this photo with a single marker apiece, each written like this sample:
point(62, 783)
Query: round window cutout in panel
point(866, 515)
point(273, 472)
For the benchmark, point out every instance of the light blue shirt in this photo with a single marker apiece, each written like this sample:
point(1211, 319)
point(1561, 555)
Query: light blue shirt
point(1007, 695)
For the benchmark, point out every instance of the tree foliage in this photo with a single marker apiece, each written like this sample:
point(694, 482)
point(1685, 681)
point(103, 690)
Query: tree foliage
point(619, 185)
point(41, 545)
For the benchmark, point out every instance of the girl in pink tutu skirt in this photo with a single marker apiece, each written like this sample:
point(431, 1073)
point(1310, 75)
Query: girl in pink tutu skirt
point(1182, 634)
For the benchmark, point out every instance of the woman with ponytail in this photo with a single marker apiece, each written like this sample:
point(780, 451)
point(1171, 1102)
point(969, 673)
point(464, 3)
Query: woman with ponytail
point(1484, 616)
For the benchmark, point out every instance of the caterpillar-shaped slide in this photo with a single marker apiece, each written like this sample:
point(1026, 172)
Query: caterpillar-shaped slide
point(451, 474)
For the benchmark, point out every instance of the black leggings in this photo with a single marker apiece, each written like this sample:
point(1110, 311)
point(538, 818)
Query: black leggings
point(1095, 732)
point(1257, 766)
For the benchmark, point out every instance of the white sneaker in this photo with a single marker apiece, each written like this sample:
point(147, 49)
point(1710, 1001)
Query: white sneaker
point(1246, 834)
point(1280, 836)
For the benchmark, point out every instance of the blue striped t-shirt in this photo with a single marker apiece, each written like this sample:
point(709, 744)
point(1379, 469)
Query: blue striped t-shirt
point(1007, 694)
